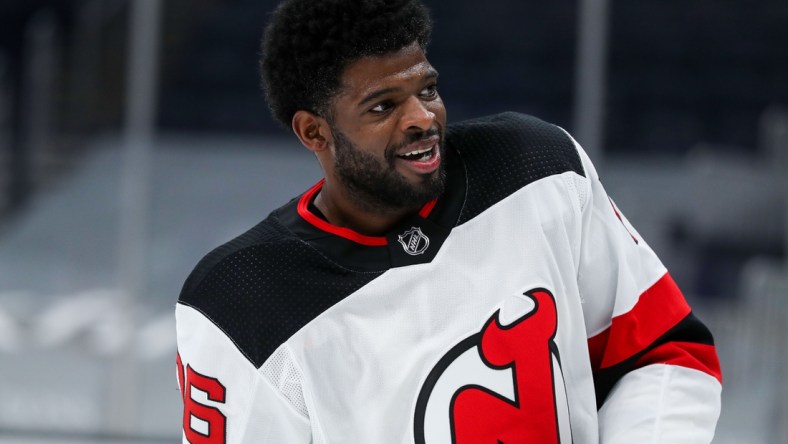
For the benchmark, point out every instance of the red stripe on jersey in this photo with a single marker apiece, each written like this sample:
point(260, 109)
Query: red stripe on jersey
point(347, 233)
point(657, 310)
point(427, 208)
point(596, 349)
point(686, 354)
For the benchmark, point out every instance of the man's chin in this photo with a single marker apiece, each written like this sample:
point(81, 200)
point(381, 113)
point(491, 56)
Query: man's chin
point(410, 197)
point(432, 186)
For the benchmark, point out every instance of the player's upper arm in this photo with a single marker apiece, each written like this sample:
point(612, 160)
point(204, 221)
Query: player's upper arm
point(635, 313)
point(226, 399)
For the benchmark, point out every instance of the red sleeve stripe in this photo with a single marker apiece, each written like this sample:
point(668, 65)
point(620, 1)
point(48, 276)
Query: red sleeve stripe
point(596, 349)
point(686, 354)
point(658, 310)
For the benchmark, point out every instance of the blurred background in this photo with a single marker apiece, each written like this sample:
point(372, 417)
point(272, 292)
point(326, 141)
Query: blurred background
point(134, 138)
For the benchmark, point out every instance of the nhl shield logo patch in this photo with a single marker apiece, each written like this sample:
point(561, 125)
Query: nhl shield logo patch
point(414, 241)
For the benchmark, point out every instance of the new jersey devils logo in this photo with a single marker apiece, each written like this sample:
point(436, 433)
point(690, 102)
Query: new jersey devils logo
point(498, 386)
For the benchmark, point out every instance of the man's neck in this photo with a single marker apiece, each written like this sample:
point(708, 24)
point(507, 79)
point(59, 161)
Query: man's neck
point(361, 220)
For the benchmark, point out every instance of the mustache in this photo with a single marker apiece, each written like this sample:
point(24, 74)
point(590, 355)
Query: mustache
point(421, 135)
point(413, 137)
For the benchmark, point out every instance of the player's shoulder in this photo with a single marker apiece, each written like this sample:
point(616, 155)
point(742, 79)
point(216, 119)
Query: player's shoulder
point(266, 284)
point(505, 152)
point(504, 121)
point(515, 137)
point(229, 262)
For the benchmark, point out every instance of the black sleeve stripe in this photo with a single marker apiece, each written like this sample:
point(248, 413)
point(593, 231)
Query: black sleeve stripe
point(690, 329)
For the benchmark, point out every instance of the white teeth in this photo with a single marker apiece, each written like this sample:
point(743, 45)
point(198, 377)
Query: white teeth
point(416, 153)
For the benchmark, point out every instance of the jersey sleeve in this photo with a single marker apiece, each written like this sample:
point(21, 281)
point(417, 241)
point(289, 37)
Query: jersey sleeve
point(656, 373)
point(226, 399)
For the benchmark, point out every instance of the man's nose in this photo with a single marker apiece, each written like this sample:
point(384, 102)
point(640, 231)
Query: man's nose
point(416, 115)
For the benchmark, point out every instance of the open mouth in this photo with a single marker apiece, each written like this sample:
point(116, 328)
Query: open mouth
point(420, 155)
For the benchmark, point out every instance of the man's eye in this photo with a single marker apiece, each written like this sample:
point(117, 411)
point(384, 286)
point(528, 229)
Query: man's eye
point(430, 92)
point(381, 107)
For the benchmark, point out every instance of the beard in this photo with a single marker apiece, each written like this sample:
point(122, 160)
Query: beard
point(377, 186)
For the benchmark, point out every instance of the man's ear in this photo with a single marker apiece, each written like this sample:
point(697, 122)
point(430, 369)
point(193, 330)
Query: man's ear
point(312, 130)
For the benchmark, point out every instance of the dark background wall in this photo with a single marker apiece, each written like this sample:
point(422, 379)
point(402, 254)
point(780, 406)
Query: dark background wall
point(683, 72)
point(679, 72)
point(506, 55)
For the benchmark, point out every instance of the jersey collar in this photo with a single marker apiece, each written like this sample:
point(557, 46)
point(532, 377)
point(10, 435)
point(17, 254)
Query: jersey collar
point(347, 233)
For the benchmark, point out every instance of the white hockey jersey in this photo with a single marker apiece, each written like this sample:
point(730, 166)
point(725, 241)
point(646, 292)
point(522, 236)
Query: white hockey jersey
point(519, 307)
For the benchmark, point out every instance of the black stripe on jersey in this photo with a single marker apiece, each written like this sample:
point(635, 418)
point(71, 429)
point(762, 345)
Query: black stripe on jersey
point(690, 329)
point(505, 152)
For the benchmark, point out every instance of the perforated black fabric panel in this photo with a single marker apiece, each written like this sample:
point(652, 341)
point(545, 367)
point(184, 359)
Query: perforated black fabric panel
point(505, 152)
point(264, 286)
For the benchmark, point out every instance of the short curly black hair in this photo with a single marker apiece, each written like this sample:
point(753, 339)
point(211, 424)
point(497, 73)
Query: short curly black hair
point(308, 44)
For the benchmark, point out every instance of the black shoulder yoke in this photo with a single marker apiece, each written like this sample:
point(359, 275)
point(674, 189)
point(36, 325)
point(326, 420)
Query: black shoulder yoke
point(505, 152)
point(262, 287)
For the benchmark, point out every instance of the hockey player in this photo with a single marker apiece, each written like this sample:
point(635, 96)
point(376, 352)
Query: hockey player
point(463, 283)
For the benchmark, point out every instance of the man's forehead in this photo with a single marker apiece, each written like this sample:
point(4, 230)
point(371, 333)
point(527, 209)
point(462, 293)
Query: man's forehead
point(373, 72)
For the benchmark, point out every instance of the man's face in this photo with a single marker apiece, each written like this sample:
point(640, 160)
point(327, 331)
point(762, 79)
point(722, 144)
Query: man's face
point(388, 123)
